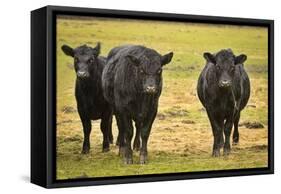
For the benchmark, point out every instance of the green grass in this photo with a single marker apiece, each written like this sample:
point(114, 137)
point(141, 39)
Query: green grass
point(181, 138)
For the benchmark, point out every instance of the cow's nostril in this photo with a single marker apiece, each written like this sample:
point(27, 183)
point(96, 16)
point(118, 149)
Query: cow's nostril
point(225, 83)
point(82, 74)
point(150, 89)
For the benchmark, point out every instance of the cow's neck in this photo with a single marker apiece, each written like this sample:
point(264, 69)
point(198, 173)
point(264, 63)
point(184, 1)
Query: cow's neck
point(226, 96)
point(145, 105)
point(89, 85)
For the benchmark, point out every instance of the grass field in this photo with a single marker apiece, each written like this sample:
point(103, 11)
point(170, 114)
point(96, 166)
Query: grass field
point(181, 138)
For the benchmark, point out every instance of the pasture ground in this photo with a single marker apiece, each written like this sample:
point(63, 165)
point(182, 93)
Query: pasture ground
point(181, 138)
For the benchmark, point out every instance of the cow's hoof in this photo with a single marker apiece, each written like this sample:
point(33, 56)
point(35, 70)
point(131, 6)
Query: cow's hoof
point(216, 153)
point(226, 151)
point(111, 139)
point(117, 143)
point(121, 151)
point(143, 158)
point(136, 147)
point(85, 151)
point(105, 149)
point(128, 161)
point(143, 161)
point(221, 144)
point(235, 141)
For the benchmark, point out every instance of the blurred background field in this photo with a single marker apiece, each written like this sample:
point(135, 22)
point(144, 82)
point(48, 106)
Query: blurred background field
point(181, 138)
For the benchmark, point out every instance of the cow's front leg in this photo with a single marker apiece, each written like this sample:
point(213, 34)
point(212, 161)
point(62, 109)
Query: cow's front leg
point(227, 132)
point(137, 137)
point(87, 127)
point(110, 129)
point(120, 138)
point(145, 132)
point(144, 137)
point(236, 132)
point(105, 126)
point(217, 129)
point(128, 134)
point(218, 139)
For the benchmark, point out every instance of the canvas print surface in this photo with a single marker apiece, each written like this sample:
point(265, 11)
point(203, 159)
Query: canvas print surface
point(137, 97)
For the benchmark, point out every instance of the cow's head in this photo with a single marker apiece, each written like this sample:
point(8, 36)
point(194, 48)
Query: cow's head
point(149, 69)
point(225, 64)
point(85, 59)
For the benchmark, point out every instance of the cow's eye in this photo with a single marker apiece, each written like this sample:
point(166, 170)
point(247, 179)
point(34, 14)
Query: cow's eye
point(90, 61)
point(218, 68)
point(232, 68)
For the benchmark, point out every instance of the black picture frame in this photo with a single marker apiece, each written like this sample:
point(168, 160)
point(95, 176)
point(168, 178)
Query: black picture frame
point(43, 95)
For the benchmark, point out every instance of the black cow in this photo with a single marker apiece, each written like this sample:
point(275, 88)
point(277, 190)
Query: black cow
point(132, 82)
point(91, 104)
point(224, 90)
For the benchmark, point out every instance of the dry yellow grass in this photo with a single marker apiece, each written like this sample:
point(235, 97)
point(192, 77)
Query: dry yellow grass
point(181, 138)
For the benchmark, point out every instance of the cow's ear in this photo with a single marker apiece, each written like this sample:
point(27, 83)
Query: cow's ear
point(97, 49)
point(67, 50)
point(132, 59)
point(240, 59)
point(209, 58)
point(165, 59)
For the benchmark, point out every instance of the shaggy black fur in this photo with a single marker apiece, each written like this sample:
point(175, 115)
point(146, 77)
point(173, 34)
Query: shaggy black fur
point(132, 83)
point(224, 90)
point(91, 104)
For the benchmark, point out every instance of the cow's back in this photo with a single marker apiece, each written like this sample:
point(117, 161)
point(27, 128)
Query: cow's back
point(109, 71)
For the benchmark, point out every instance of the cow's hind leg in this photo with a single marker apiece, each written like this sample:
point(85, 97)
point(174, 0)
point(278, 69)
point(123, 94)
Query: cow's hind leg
point(235, 137)
point(87, 127)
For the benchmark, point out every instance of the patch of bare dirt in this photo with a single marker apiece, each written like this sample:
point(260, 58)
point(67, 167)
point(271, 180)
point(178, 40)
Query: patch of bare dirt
point(176, 111)
point(255, 148)
point(72, 138)
point(188, 122)
point(252, 125)
point(68, 109)
point(64, 121)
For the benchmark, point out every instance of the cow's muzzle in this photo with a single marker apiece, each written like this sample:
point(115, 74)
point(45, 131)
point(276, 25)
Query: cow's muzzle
point(224, 84)
point(150, 90)
point(82, 74)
